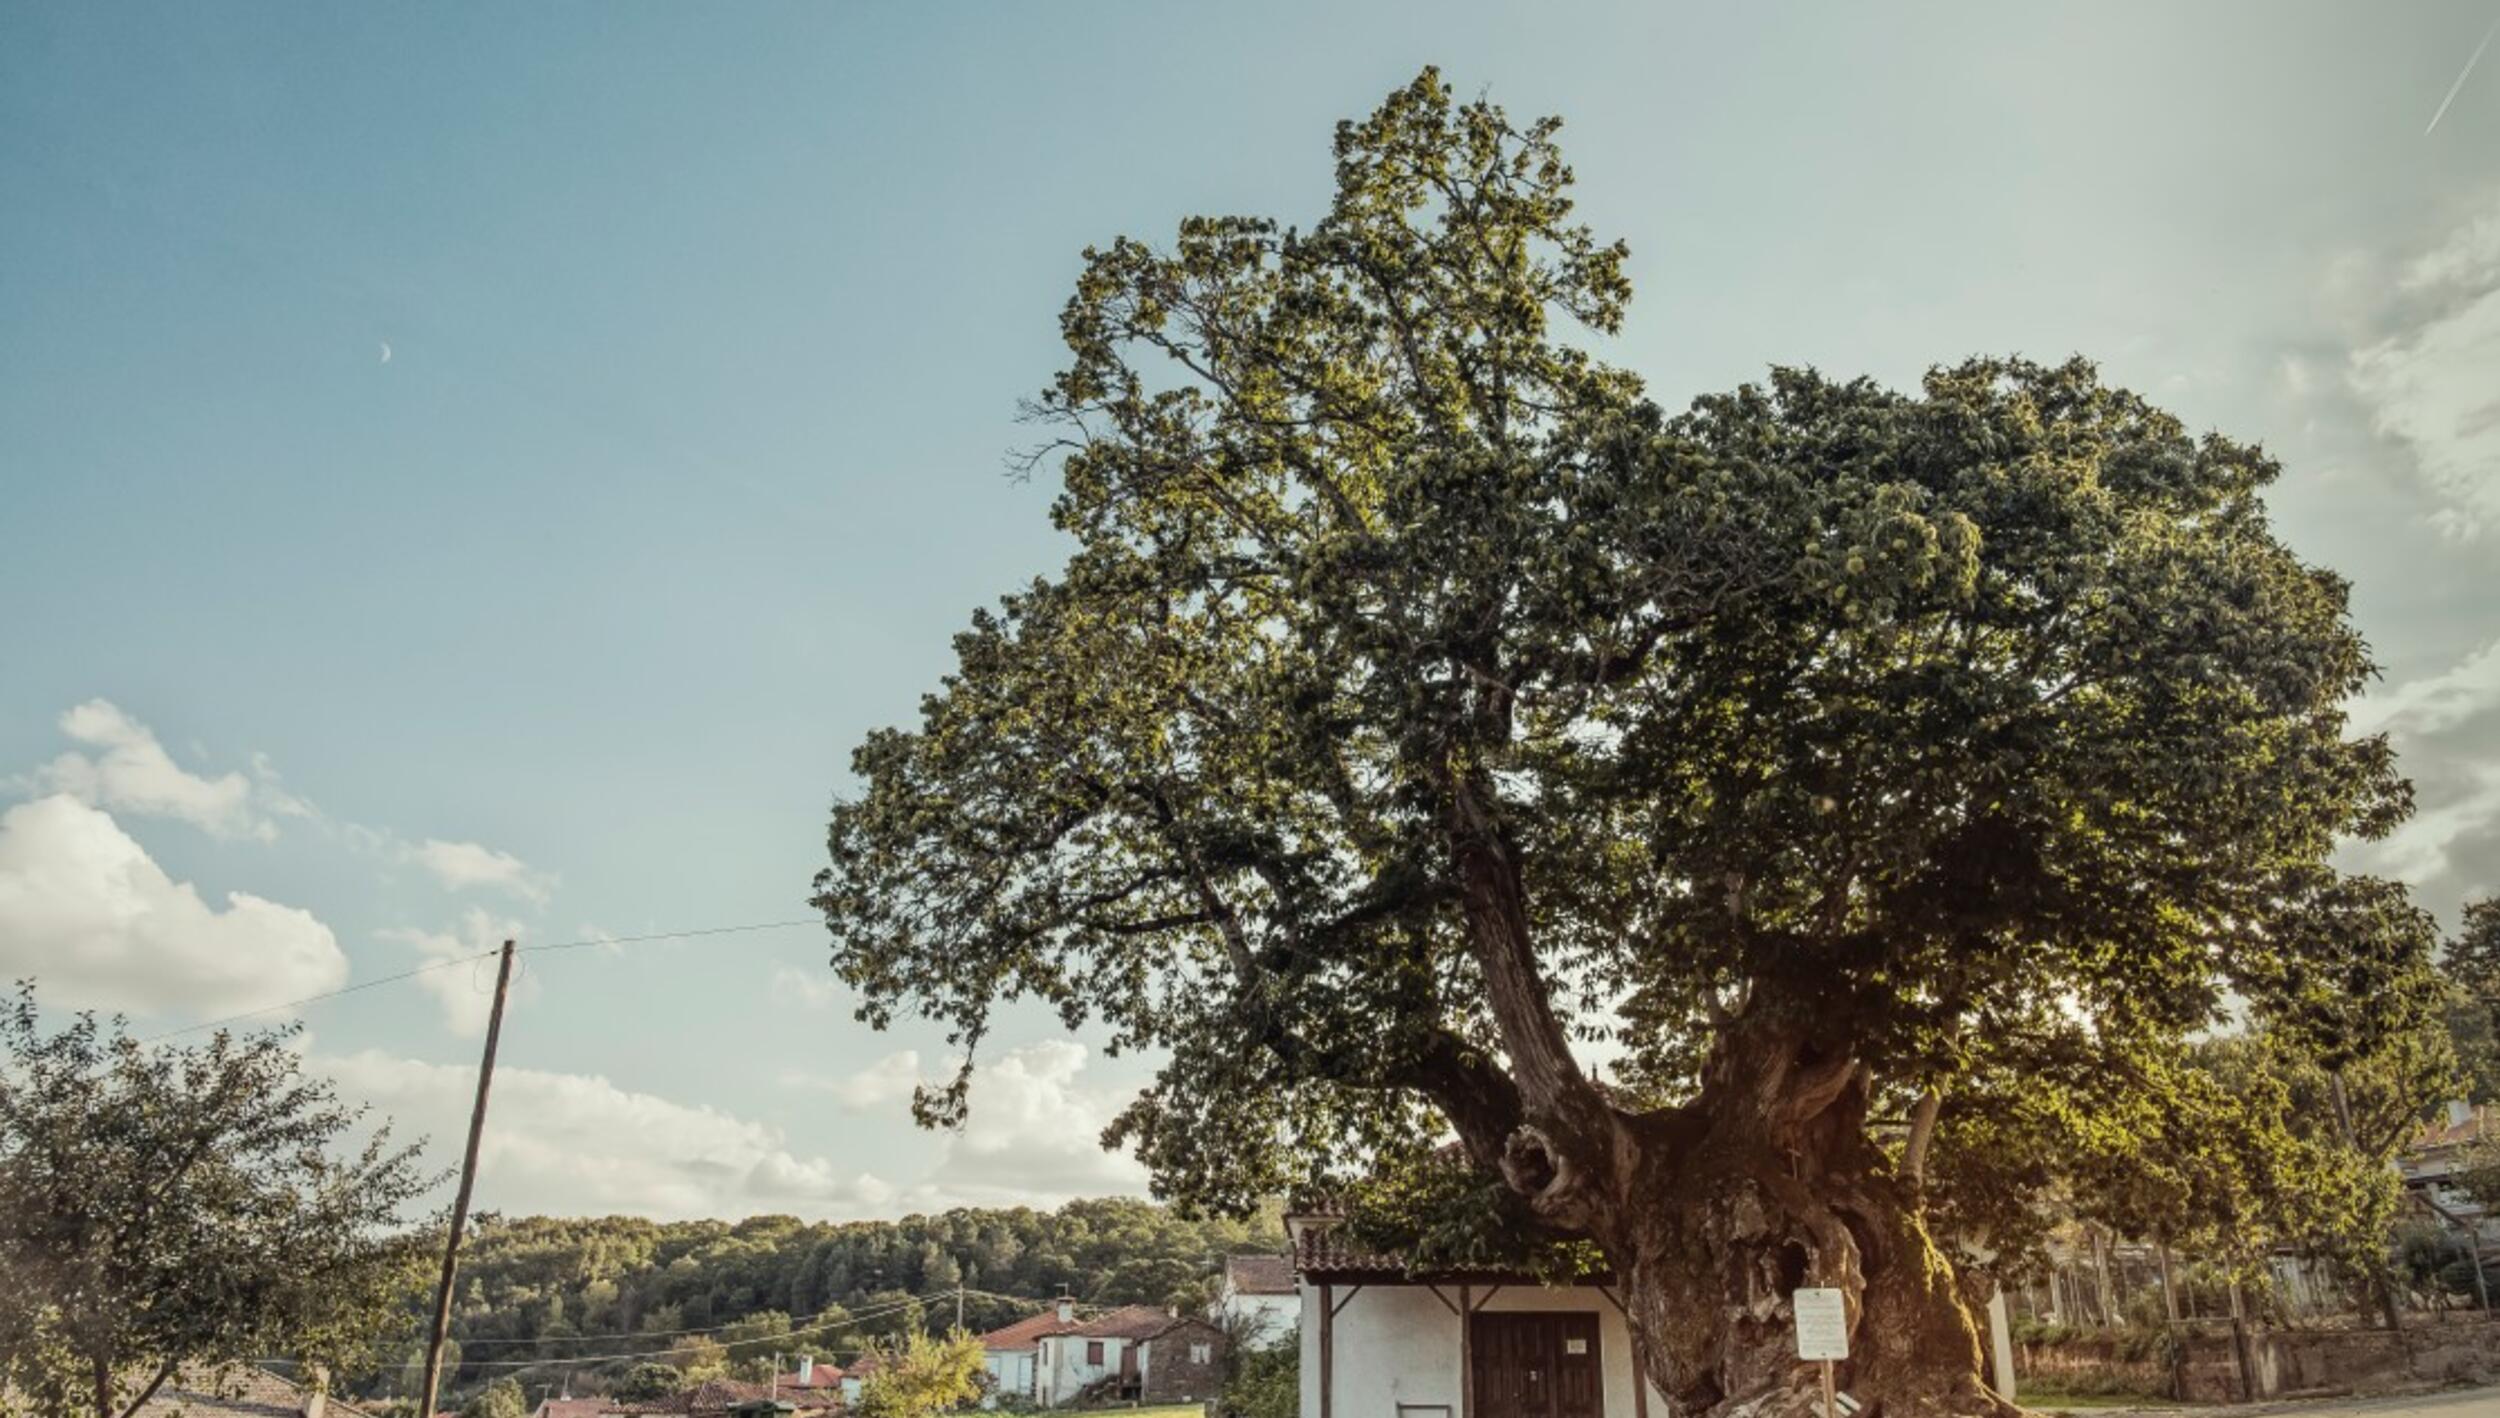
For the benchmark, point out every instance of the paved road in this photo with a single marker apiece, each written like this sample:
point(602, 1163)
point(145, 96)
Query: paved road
point(2453, 1403)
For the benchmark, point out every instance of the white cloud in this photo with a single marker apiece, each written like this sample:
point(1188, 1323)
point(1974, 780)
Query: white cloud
point(465, 991)
point(2425, 848)
point(1033, 1136)
point(814, 989)
point(468, 866)
point(882, 1084)
point(565, 1144)
point(2434, 381)
point(2436, 702)
point(131, 772)
point(96, 921)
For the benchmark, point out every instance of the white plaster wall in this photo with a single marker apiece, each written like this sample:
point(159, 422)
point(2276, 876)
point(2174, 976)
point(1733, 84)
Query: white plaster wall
point(1066, 1373)
point(1011, 1374)
point(1398, 1344)
point(1263, 1319)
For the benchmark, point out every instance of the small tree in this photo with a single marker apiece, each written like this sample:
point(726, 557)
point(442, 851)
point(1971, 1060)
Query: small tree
point(1264, 1382)
point(650, 1380)
point(922, 1375)
point(754, 1341)
point(172, 1207)
point(2471, 965)
point(501, 1398)
point(700, 1358)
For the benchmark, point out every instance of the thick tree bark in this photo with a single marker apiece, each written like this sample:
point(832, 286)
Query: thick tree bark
point(1713, 1213)
point(1766, 1183)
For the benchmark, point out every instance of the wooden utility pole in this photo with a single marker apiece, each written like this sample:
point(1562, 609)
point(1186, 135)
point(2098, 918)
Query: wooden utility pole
point(468, 1179)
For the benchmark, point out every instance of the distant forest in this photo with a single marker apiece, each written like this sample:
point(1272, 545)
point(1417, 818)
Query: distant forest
point(548, 1301)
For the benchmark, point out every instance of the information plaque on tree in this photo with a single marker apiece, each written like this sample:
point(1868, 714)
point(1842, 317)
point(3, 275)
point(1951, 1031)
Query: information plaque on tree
point(1822, 1324)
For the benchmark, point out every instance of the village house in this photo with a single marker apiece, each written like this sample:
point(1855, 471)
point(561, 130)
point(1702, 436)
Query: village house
point(1011, 1354)
point(238, 1391)
point(1256, 1303)
point(809, 1380)
point(1378, 1340)
point(1136, 1353)
point(2448, 1146)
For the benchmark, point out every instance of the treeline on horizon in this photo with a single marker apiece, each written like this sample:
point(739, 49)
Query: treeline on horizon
point(549, 1299)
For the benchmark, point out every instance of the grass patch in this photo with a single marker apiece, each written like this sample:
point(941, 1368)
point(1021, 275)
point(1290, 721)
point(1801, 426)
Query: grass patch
point(2061, 1399)
point(1153, 1410)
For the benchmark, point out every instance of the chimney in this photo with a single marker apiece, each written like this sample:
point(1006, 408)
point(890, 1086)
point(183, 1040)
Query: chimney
point(2460, 1112)
point(1067, 1309)
point(316, 1389)
point(807, 1369)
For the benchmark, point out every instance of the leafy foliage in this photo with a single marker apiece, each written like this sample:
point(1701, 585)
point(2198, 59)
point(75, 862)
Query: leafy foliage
point(501, 1398)
point(650, 1381)
point(2471, 964)
point(1262, 1381)
point(162, 1207)
point(919, 1375)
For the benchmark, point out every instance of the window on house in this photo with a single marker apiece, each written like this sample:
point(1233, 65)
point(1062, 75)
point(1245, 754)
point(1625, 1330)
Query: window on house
point(1093, 1351)
point(1200, 1353)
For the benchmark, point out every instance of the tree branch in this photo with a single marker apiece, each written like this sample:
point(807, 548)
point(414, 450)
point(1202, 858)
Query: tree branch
point(164, 1371)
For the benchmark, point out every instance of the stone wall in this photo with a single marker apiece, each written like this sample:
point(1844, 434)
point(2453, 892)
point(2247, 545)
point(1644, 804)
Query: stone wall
point(2294, 1361)
point(1172, 1375)
point(2203, 1363)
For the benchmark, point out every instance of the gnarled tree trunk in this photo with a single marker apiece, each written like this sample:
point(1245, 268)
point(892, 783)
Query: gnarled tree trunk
point(1713, 1213)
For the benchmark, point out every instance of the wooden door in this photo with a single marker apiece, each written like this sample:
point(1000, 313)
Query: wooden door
point(1536, 1366)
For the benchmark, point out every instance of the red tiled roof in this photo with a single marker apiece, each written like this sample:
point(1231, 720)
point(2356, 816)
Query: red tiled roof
point(1259, 1275)
point(574, 1408)
point(819, 1376)
point(1027, 1332)
point(1127, 1322)
point(1322, 1247)
point(2439, 1132)
point(709, 1396)
point(239, 1391)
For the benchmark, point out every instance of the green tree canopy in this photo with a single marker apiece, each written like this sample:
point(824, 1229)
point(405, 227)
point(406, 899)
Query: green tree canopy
point(1421, 700)
point(501, 1398)
point(2471, 964)
point(650, 1380)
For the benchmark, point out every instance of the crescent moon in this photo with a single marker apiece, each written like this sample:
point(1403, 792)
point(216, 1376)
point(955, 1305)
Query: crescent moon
point(386, 352)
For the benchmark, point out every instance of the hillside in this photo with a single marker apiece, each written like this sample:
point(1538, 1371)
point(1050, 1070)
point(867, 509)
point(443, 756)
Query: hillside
point(543, 1298)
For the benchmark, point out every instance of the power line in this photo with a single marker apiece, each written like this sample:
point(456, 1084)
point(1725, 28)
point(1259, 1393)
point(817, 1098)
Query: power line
point(316, 999)
point(446, 964)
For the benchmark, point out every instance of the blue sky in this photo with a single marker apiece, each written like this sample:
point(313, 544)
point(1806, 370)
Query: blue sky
point(706, 332)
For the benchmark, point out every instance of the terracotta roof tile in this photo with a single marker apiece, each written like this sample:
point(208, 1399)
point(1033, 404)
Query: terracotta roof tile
point(1127, 1322)
point(240, 1391)
point(1029, 1331)
point(1259, 1275)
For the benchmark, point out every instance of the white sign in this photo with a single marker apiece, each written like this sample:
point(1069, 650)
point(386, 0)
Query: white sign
point(1822, 1324)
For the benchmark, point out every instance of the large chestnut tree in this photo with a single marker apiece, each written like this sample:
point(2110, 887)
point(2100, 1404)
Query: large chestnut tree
point(1422, 708)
